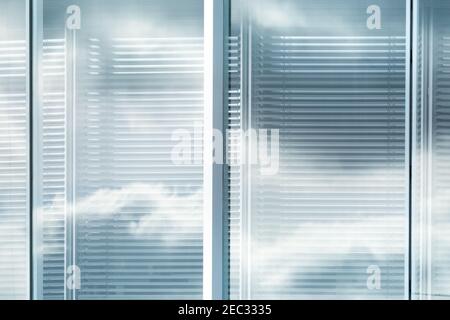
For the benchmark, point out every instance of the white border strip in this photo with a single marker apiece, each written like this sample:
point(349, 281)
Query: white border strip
point(213, 239)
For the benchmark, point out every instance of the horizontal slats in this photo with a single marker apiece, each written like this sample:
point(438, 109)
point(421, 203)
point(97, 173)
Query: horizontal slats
point(234, 155)
point(14, 179)
point(138, 231)
point(52, 177)
point(342, 160)
point(149, 245)
point(336, 206)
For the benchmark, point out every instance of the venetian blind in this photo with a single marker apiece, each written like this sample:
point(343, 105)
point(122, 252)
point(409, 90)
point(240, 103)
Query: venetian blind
point(14, 152)
point(115, 205)
point(336, 210)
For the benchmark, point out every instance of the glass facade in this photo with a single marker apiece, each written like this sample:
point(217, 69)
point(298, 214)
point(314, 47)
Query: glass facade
point(330, 176)
point(117, 79)
point(333, 206)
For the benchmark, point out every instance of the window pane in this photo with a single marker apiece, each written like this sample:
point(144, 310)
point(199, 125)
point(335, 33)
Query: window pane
point(14, 185)
point(331, 222)
point(431, 270)
point(118, 79)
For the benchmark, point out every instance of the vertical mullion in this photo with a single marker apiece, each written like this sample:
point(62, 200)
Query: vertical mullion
point(225, 174)
point(414, 150)
point(245, 92)
point(408, 157)
point(213, 186)
point(29, 90)
point(36, 40)
point(71, 151)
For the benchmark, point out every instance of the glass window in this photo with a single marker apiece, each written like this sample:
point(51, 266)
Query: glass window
point(337, 151)
point(14, 151)
point(325, 215)
point(118, 217)
point(431, 178)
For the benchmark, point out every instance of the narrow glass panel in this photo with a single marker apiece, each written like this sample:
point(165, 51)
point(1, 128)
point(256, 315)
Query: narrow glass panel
point(14, 151)
point(431, 175)
point(325, 216)
point(118, 217)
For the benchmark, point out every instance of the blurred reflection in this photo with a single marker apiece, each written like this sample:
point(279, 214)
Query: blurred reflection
point(112, 203)
point(335, 87)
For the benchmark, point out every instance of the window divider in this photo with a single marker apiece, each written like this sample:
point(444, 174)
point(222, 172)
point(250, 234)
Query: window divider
point(36, 37)
point(214, 260)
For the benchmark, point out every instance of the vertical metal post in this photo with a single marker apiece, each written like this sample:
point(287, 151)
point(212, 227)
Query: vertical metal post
point(29, 94)
point(245, 172)
point(213, 211)
point(71, 151)
point(408, 158)
point(36, 43)
point(414, 153)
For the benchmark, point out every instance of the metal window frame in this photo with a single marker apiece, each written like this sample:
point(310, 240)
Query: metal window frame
point(214, 216)
point(36, 33)
point(408, 143)
point(29, 120)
